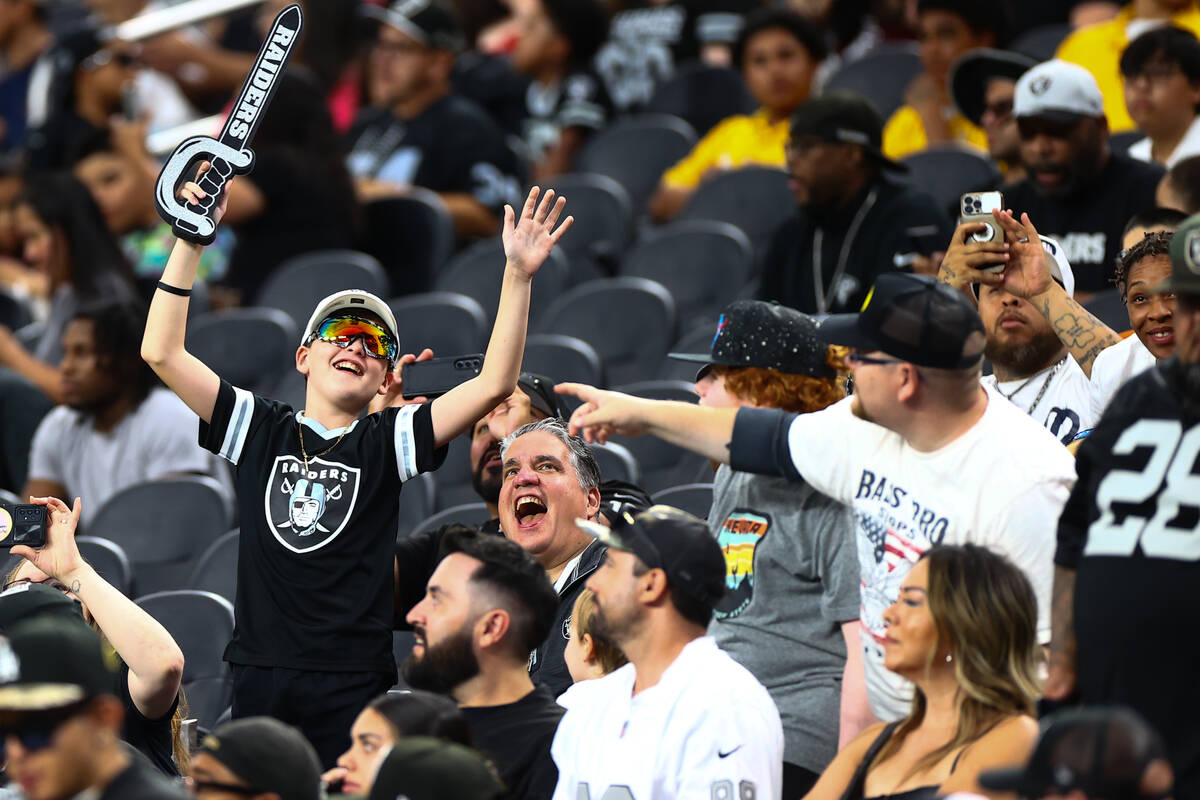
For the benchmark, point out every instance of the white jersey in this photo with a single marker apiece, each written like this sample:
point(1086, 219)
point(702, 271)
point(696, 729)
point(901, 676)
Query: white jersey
point(1002, 484)
point(707, 730)
point(1114, 366)
point(1058, 397)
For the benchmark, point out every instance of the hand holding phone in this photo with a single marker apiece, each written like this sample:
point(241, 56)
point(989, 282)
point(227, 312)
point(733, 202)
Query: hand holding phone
point(22, 524)
point(977, 207)
point(436, 376)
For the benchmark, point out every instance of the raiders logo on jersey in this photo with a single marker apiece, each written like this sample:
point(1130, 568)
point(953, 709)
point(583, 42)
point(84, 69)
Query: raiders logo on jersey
point(307, 510)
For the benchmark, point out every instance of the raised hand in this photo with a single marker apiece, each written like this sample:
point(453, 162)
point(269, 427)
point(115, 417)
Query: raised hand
point(1028, 270)
point(59, 557)
point(603, 413)
point(529, 240)
point(964, 262)
point(392, 394)
point(191, 193)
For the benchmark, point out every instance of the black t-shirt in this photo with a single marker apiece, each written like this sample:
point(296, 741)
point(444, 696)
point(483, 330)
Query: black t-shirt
point(452, 146)
point(1089, 223)
point(141, 782)
point(516, 738)
point(892, 219)
point(577, 101)
point(647, 41)
point(151, 737)
point(315, 555)
point(1131, 530)
point(490, 82)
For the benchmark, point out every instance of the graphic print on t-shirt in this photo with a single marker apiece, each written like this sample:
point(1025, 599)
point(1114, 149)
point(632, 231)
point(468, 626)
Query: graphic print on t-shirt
point(307, 510)
point(741, 533)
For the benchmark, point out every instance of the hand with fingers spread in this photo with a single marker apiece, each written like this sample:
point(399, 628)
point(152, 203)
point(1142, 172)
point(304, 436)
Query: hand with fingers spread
point(604, 413)
point(965, 259)
point(59, 556)
point(393, 395)
point(529, 240)
point(1028, 270)
point(192, 194)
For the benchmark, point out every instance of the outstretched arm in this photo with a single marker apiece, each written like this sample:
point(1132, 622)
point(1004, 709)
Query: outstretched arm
point(166, 324)
point(707, 431)
point(527, 244)
point(155, 660)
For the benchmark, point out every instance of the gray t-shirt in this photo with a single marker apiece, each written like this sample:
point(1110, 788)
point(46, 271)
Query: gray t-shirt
point(157, 439)
point(791, 581)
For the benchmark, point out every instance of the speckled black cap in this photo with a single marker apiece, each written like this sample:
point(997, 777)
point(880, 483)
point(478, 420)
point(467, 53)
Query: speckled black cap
point(753, 333)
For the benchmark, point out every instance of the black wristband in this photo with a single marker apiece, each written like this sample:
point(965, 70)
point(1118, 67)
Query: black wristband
point(166, 287)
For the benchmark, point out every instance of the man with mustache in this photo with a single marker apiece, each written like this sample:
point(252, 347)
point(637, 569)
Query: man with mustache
point(1077, 189)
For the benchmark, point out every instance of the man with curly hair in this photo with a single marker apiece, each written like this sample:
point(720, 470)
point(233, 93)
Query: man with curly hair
point(791, 604)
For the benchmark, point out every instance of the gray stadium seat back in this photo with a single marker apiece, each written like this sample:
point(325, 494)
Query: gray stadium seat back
point(412, 236)
point(636, 151)
point(290, 389)
point(881, 76)
point(703, 263)
point(163, 526)
point(616, 462)
point(629, 321)
point(298, 284)
point(603, 216)
point(216, 569)
point(563, 359)
point(417, 497)
point(662, 464)
point(698, 339)
point(755, 199)
point(208, 699)
point(453, 477)
point(694, 498)
point(478, 271)
point(1110, 309)
point(1040, 43)
point(201, 623)
point(108, 559)
point(470, 514)
point(249, 347)
point(402, 645)
point(702, 96)
point(451, 324)
point(949, 172)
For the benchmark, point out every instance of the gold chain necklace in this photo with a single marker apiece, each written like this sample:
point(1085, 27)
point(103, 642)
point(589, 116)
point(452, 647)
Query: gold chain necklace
point(303, 452)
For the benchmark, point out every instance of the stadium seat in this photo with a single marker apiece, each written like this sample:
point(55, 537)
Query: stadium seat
point(402, 645)
point(416, 502)
point(702, 96)
point(881, 76)
point(662, 464)
point(201, 623)
point(108, 559)
point(563, 359)
point(629, 321)
point(451, 324)
point(163, 526)
point(755, 199)
point(466, 514)
point(1110, 309)
point(216, 569)
point(698, 339)
point(298, 284)
point(636, 151)
point(290, 389)
point(14, 313)
point(453, 478)
point(694, 498)
point(948, 172)
point(207, 699)
point(616, 463)
point(680, 391)
point(478, 270)
point(1040, 43)
point(249, 347)
point(603, 218)
point(703, 263)
point(412, 236)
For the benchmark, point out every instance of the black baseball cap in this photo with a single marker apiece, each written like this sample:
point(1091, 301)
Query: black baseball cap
point(541, 394)
point(617, 496)
point(844, 117)
point(970, 74)
point(915, 318)
point(52, 662)
point(24, 601)
point(268, 755)
point(672, 540)
point(1101, 751)
point(1185, 259)
point(429, 22)
point(424, 768)
point(754, 333)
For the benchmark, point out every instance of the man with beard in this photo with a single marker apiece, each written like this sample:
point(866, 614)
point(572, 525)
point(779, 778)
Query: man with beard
point(1077, 189)
point(851, 222)
point(682, 719)
point(486, 607)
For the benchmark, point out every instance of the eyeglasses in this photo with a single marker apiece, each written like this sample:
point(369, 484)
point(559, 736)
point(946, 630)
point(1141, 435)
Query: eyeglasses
point(857, 358)
point(342, 331)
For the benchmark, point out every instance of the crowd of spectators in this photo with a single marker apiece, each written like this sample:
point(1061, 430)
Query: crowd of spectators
point(923, 522)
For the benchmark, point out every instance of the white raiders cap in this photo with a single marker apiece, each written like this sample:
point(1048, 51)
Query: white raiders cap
point(1060, 268)
point(1059, 91)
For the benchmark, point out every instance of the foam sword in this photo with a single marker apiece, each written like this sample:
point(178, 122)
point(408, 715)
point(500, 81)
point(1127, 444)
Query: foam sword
point(229, 154)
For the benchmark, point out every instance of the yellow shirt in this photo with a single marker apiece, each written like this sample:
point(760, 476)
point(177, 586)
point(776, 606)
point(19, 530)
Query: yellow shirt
point(736, 141)
point(1097, 48)
point(904, 133)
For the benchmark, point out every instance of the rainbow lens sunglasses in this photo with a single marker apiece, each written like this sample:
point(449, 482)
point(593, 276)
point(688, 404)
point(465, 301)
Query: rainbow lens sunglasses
point(341, 331)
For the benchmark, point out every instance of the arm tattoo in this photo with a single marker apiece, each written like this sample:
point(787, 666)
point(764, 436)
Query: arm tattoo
point(76, 586)
point(1082, 333)
point(1062, 615)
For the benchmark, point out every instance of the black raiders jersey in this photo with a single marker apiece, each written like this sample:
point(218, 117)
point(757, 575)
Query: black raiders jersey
point(452, 146)
point(316, 547)
point(1131, 531)
point(577, 101)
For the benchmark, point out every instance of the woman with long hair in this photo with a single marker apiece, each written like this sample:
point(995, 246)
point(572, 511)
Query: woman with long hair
point(964, 631)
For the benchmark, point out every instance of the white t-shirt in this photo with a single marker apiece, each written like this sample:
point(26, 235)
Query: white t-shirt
point(1115, 365)
point(1002, 484)
point(707, 729)
point(158, 438)
point(1189, 145)
point(1064, 408)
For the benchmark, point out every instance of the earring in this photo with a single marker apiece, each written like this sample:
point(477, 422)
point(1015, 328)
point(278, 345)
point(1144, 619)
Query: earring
point(949, 658)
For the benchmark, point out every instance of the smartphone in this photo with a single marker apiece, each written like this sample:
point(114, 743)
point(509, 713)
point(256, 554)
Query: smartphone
point(22, 524)
point(978, 207)
point(437, 376)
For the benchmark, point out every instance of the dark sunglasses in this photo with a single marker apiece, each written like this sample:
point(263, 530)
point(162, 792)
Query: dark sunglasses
point(213, 786)
point(35, 730)
point(1030, 127)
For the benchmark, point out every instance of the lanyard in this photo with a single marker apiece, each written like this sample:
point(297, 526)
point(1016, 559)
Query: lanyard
point(823, 297)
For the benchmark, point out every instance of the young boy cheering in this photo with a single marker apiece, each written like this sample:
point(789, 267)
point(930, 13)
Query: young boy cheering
point(317, 488)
